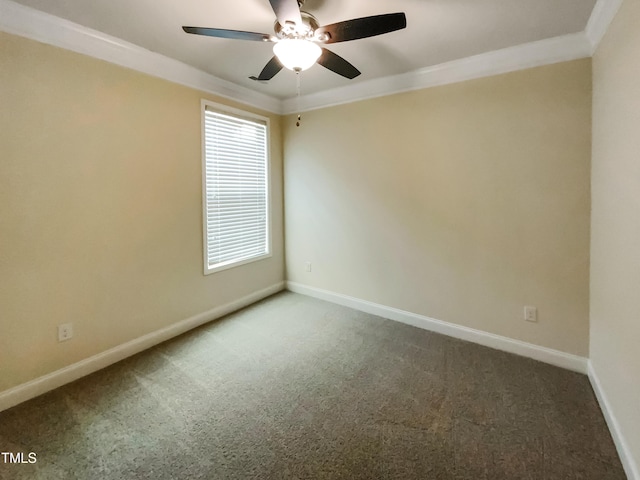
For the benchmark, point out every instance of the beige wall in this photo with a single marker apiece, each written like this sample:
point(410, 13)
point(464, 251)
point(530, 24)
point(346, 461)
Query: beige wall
point(615, 230)
point(100, 208)
point(463, 202)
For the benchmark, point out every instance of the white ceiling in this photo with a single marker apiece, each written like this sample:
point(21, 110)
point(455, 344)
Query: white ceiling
point(437, 31)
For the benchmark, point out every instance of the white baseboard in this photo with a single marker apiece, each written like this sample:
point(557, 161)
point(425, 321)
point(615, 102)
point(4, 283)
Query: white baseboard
point(536, 352)
point(29, 390)
point(630, 466)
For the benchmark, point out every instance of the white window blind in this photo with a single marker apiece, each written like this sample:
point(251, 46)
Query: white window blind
point(235, 184)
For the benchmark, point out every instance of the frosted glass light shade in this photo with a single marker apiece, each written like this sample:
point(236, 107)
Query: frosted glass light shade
point(297, 54)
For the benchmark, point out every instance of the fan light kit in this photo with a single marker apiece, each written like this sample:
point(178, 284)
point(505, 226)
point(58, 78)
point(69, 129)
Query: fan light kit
point(296, 54)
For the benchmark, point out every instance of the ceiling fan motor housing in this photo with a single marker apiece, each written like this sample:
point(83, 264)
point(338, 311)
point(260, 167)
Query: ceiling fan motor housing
point(291, 30)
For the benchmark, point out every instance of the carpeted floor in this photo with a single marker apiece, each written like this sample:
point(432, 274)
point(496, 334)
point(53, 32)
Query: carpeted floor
point(296, 388)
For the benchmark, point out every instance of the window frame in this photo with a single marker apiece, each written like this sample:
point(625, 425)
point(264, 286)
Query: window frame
point(242, 114)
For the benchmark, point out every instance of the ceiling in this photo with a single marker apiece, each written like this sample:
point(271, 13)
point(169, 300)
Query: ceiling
point(437, 31)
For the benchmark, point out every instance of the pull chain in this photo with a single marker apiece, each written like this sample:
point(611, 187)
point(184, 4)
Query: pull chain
point(298, 97)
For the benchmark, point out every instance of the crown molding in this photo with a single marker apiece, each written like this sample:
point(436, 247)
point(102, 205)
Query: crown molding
point(27, 22)
point(31, 23)
point(601, 17)
point(520, 57)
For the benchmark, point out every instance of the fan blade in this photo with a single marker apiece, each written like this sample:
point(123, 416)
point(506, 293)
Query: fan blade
point(234, 34)
point(286, 11)
point(337, 64)
point(361, 28)
point(270, 70)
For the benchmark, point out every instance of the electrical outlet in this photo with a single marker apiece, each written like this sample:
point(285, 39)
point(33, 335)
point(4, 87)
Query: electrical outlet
point(65, 332)
point(531, 314)
point(307, 266)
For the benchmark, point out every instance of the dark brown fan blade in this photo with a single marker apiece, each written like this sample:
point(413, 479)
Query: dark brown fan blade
point(234, 34)
point(286, 11)
point(361, 28)
point(337, 64)
point(270, 70)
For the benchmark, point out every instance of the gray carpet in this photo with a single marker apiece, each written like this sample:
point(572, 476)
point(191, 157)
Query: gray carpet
point(296, 388)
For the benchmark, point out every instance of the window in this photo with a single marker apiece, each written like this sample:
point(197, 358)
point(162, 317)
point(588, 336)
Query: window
point(235, 187)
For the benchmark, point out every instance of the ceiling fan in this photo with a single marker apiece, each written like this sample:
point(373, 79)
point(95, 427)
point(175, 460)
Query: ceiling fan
point(298, 37)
